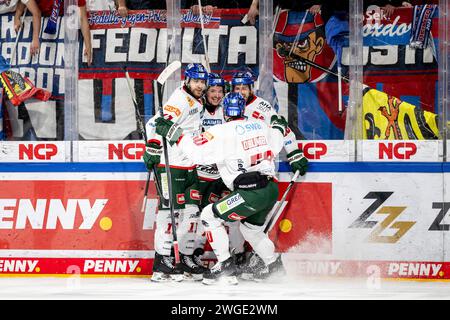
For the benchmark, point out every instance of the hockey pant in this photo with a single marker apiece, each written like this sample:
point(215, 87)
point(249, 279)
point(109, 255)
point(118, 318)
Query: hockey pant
point(237, 240)
point(218, 238)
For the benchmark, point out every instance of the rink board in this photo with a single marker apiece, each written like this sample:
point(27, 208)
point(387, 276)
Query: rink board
point(341, 219)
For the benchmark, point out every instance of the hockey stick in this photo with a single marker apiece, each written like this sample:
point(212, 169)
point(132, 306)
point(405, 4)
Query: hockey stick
point(277, 212)
point(141, 128)
point(171, 68)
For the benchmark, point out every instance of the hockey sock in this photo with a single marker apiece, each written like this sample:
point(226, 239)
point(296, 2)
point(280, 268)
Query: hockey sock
point(236, 238)
point(189, 219)
point(259, 241)
point(200, 237)
point(216, 234)
point(163, 233)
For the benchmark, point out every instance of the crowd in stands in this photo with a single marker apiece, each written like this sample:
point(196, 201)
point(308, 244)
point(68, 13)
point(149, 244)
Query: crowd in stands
point(38, 8)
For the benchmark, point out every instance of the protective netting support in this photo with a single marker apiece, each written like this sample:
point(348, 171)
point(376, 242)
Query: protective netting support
point(173, 42)
point(266, 30)
point(444, 63)
point(354, 121)
point(71, 49)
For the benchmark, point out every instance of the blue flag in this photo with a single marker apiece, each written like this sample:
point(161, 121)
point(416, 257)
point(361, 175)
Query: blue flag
point(4, 65)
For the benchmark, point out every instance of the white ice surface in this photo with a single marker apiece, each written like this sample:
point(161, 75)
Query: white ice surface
point(287, 289)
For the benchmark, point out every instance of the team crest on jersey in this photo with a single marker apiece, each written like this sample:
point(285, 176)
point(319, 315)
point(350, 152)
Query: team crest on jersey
point(180, 198)
point(230, 203)
point(173, 109)
point(5, 2)
point(194, 194)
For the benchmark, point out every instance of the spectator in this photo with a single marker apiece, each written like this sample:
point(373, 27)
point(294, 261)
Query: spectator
point(388, 6)
point(14, 5)
point(85, 31)
point(313, 6)
point(125, 5)
point(47, 7)
point(100, 5)
point(209, 5)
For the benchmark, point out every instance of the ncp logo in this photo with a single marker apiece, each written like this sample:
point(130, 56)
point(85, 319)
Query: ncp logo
point(40, 151)
point(313, 150)
point(130, 151)
point(388, 223)
point(399, 150)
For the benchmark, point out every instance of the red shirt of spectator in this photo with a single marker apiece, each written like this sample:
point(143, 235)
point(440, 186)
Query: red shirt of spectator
point(46, 6)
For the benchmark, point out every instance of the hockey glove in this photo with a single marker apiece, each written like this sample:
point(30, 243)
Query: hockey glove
point(298, 162)
point(166, 128)
point(280, 123)
point(152, 155)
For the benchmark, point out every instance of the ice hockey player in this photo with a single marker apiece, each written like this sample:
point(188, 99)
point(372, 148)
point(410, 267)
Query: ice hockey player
point(258, 108)
point(184, 108)
point(211, 185)
point(244, 151)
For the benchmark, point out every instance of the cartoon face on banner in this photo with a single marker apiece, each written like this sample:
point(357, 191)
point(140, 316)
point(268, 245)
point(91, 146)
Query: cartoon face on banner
point(300, 34)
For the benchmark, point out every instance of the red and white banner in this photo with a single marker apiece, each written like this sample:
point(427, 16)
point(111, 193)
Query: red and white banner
point(151, 19)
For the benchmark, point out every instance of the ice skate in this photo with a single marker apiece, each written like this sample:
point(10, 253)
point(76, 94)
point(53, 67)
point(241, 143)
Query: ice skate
point(252, 266)
point(164, 269)
point(273, 270)
point(223, 272)
point(191, 270)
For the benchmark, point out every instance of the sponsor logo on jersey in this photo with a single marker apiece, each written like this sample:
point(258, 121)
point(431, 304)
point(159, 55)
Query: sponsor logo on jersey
point(173, 109)
point(242, 129)
point(264, 106)
point(203, 138)
point(235, 216)
point(254, 142)
point(211, 122)
point(257, 115)
point(190, 101)
point(230, 203)
point(193, 111)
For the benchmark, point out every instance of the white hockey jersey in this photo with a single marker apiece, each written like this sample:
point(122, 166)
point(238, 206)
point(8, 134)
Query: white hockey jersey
point(236, 147)
point(261, 109)
point(185, 110)
point(209, 120)
point(212, 119)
